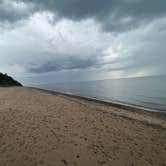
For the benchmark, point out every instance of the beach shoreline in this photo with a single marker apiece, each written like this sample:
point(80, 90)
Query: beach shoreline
point(113, 103)
point(41, 127)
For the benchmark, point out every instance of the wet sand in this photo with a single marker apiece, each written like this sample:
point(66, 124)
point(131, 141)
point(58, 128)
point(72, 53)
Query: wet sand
point(43, 129)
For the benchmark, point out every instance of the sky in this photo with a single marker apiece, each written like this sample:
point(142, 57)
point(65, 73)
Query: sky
point(60, 41)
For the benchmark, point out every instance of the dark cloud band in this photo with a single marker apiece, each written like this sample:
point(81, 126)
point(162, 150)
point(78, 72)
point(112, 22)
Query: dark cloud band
point(115, 15)
point(64, 64)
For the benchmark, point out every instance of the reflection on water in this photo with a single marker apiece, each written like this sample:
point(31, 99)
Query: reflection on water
point(145, 91)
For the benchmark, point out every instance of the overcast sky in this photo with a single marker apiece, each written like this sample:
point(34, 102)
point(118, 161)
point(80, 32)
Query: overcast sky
point(44, 41)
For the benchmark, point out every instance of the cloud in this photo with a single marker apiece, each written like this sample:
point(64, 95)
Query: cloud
point(71, 63)
point(45, 47)
point(13, 11)
point(70, 45)
point(142, 48)
point(84, 9)
point(77, 40)
point(114, 15)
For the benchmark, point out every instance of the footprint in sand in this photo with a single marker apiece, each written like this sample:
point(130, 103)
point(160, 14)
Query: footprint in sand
point(64, 162)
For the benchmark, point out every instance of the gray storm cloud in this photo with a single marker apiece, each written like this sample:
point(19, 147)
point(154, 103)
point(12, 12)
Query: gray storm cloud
point(12, 11)
point(65, 64)
point(108, 38)
point(115, 15)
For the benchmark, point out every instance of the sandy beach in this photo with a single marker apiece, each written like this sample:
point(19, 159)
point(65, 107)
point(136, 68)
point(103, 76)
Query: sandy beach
point(38, 128)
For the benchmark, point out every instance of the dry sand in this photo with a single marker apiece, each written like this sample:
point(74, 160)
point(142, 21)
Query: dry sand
point(42, 129)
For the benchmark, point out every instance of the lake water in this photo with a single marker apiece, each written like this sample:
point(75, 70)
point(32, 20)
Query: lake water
point(148, 92)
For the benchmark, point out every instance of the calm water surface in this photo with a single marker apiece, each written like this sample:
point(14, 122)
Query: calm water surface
point(145, 91)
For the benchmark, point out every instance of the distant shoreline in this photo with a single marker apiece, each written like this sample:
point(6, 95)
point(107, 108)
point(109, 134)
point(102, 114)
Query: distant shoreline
point(118, 104)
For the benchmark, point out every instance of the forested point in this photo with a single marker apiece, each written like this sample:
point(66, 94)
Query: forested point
point(6, 81)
